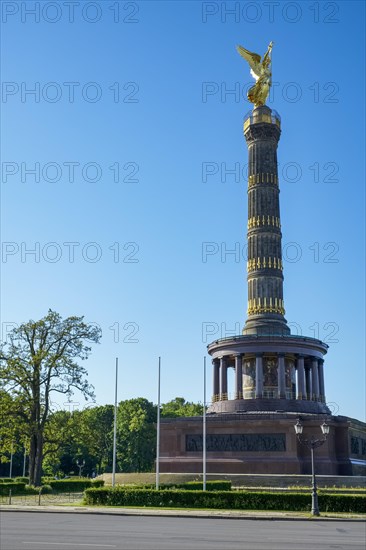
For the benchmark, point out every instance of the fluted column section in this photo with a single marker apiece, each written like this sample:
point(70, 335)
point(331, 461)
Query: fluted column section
point(321, 380)
point(281, 377)
point(309, 383)
point(238, 377)
point(265, 279)
point(300, 377)
point(223, 378)
point(258, 376)
point(315, 378)
point(216, 378)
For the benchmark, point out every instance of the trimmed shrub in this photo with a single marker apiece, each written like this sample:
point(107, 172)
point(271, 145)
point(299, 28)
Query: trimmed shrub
point(23, 489)
point(218, 485)
point(57, 486)
point(74, 485)
point(188, 486)
point(16, 488)
point(22, 479)
point(195, 499)
point(342, 503)
point(45, 490)
point(6, 480)
point(228, 500)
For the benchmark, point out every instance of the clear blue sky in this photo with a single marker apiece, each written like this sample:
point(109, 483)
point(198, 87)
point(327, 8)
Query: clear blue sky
point(174, 64)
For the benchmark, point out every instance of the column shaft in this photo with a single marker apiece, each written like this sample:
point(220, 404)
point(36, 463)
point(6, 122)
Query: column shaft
point(223, 378)
point(309, 383)
point(216, 379)
point(238, 377)
point(264, 267)
point(281, 377)
point(321, 380)
point(315, 378)
point(258, 376)
point(300, 377)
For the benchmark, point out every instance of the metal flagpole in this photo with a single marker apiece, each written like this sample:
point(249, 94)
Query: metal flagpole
point(204, 424)
point(115, 429)
point(158, 432)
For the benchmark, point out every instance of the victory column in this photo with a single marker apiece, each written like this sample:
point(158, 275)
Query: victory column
point(279, 377)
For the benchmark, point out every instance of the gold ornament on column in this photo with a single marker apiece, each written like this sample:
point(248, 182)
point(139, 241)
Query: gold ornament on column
point(260, 69)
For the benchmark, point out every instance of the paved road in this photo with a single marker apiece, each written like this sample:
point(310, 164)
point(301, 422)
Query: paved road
point(35, 531)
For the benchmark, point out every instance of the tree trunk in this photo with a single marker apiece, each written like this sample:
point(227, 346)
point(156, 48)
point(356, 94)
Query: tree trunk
point(32, 456)
point(35, 460)
point(38, 461)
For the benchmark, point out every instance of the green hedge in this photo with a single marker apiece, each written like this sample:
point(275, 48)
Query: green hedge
point(342, 503)
point(57, 486)
point(74, 485)
point(16, 488)
point(45, 490)
point(23, 489)
point(243, 500)
point(198, 486)
point(188, 486)
point(22, 479)
point(6, 479)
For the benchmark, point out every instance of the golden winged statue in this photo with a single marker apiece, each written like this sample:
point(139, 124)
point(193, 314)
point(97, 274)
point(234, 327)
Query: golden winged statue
point(260, 69)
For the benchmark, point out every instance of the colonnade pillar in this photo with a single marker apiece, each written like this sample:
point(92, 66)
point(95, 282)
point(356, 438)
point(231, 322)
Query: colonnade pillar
point(315, 378)
point(223, 378)
point(300, 386)
point(308, 383)
point(258, 376)
point(238, 376)
point(321, 380)
point(216, 378)
point(281, 377)
point(309, 379)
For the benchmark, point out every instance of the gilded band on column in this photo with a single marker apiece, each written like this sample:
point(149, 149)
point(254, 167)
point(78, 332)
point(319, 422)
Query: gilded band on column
point(256, 179)
point(263, 263)
point(266, 305)
point(261, 221)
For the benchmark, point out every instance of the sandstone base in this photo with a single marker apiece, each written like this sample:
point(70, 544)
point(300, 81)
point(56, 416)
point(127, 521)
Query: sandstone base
point(262, 443)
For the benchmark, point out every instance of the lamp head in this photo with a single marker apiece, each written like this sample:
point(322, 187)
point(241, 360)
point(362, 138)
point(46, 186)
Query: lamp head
point(298, 427)
point(325, 428)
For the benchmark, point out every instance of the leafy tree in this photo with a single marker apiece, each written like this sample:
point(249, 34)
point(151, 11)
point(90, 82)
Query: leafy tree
point(10, 430)
point(74, 448)
point(136, 435)
point(11, 437)
point(180, 407)
point(40, 360)
point(58, 433)
point(97, 434)
point(92, 438)
point(85, 435)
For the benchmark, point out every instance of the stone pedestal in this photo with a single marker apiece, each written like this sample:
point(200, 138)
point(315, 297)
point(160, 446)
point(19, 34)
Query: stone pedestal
point(261, 443)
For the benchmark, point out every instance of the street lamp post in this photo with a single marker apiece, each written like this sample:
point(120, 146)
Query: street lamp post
point(312, 444)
